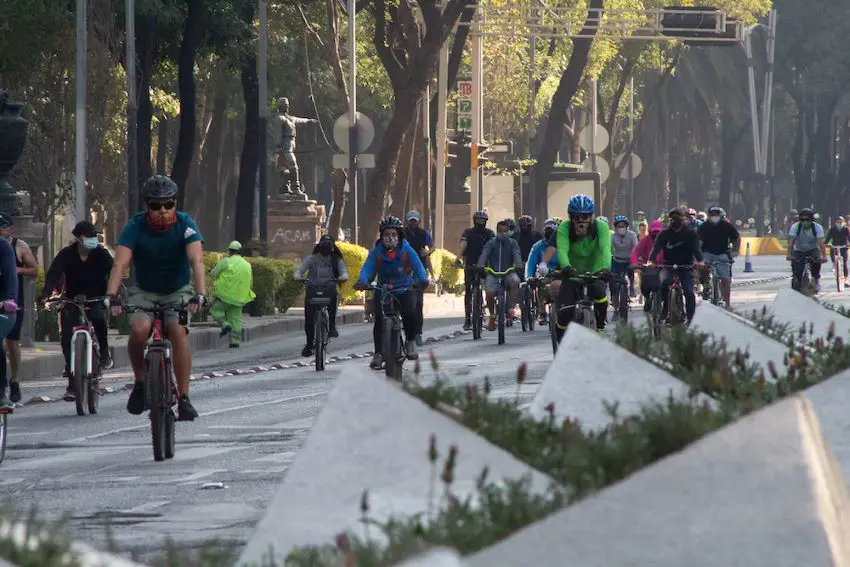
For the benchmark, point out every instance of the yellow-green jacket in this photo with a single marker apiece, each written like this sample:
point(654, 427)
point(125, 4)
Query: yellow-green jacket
point(233, 280)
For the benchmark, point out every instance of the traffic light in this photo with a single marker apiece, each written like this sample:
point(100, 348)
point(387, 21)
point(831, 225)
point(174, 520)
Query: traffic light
point(451, 151)
point(476, 154)
point(697, 22)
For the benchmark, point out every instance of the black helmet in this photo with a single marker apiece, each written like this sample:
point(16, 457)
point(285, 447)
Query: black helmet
point(159, 187)
point(391, 222)
point(480, 216)
point(807, 212)
point(525, 222)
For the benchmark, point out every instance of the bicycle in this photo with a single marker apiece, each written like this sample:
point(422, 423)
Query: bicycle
point(715, 294)
point(321, 299)
point(805, 284)
point(620, 296)
point(477, 314)
point(676, 314)
point(655, 304)
point(501, 305)
point(161, 394)
point(528, 306)
point(85, 354)
point(4, 426)
point(837, 265)
point(394, 344)
point(584, 314)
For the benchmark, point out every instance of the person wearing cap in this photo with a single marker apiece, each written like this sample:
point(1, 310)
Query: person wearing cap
point(422, 243)
point(27, 268)
point(85, 266)
point(234, 281)
point(324, 270)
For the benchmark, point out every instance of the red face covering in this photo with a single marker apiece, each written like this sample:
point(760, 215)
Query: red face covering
point(161, 223)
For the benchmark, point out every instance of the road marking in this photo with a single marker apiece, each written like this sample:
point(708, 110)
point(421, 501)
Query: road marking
point(147, 507)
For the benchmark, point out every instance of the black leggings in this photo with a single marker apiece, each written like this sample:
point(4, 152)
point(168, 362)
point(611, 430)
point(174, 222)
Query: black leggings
point(310, 311)
point(568, 297)
point(469, 274)
point(409, 317)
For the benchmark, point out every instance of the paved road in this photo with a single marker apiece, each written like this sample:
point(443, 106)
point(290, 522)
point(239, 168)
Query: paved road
point(100, 468)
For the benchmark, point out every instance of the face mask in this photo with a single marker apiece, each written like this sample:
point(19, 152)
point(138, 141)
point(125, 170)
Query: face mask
point(547, 234)
point(510, 233)
point(806, 223)
point(839, 224)
point(621, 231)
point(390, 242)
point(503, 235)
point(676, 224)
point(90, 243)
point(653, 234)
point(714, 219)
point(325, 249)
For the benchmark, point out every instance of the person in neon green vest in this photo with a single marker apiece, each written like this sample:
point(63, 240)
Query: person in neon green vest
point(233, 289)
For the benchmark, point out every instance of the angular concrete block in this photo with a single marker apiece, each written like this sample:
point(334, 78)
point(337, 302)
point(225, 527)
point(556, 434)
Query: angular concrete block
point(435, 558)
point(589, 369)
point(371, 436)
point(831, 400)
point(795, 309)
point(764, 491)
point(739, 334)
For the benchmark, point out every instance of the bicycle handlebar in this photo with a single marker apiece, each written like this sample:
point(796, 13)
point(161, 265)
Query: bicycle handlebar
point(68, 300)
point(493, 272)
point(157, 308)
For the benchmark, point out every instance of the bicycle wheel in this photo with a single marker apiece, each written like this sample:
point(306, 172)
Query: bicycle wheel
point(674, 310)
point(394, 349)
point(477, 313)
point(80, 370)
point(839, 281)
point(319, 342)
point(4, 422)
point(624, 304)
point(525, 307)
point(532, 309)
point(553, 329)
point(92, 382)
point(500, 313)
point(170, 414)
point(655, 314)
point(156, 378)
point(588, 319)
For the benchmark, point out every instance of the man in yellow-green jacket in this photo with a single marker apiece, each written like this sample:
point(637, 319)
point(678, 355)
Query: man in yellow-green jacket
point(233, 283)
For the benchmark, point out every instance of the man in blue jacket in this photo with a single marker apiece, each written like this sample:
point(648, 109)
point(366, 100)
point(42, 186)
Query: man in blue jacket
point(536, 257)
point(394, 262)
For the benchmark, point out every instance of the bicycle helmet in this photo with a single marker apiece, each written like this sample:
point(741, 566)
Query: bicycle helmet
point(692, 212)
point(525, 222)
point(511, 225)
point(701, 216)
point(807, 212)
point(391, 222)
point(480, 216)
point(621, 218)
point(557, 220)
point(550, 224)
point(6, 221)
point(715, 211)
point(159, 187)
point(581, 205)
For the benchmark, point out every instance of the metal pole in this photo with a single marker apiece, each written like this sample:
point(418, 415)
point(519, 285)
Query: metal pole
point(440, 193)
point(593, 118)
point(132, 111)
point(630, 155)
point(352, 114)
point(476, 113)
point(426, 132)
point(262, 72)
point(80, 165)
point(526, 191)
point(768, 89)
point(754, 116)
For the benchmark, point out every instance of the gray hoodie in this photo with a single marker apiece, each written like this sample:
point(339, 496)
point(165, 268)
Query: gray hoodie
point(319, 269)
point(622, 246)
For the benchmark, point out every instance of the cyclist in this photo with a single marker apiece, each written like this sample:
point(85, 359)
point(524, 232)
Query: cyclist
point(422, 243)
point(322, 267)
point(650, 279)
point(806, 242)
point(623, 242)
point(582, 245)
point(681, 247)
point(472, 243)
point(85, 266)
point(8, 308)
point(500, 254)
point(838, 235)
point(27, 268)
point(166, 250)
point(535, 257)
point(720, 242)
point(394, 262)
point(527, 236)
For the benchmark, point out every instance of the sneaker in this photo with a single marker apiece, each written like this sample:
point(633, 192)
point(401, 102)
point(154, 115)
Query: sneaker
point(185, 410)
point(333, 333)
point(377, 361)
point(491, 324)
point(15, 392)
point(106, 361)
point(234, 345)
point(419, 341)
point(6, 403)
point(467, 325)
point(224, 332)
point(411, 351)
point(615, 317)
point(512, 313)
point(69, 395)
point(307, 350)
point(817, 287)
point(136, 403)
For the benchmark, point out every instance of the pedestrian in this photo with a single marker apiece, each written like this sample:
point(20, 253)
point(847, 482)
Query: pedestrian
point(233, 289)
point(324, 270)
point(422, 243)
point(8, 308)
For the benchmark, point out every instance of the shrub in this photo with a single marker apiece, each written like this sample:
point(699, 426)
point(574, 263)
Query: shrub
point(354, 257)
point(449, 277)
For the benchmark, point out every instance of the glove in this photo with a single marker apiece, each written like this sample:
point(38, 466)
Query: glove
point(542, 270)
point(604, 275)
point(200, 300)
point(568, 272)
point(10, 306)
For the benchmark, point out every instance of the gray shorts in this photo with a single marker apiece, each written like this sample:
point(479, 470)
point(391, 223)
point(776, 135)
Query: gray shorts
point(722, 264)
point(140, 298)
point(492, 283)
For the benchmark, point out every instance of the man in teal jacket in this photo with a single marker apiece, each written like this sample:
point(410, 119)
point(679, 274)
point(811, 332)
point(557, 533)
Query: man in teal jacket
point(232, 290)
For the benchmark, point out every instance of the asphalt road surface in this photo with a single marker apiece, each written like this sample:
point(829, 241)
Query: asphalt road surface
point(100, 471)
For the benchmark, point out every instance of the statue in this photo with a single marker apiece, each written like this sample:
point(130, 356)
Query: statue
point(285, 147)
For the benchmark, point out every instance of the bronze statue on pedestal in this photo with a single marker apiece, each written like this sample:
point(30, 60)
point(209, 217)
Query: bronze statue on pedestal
point(285, 147)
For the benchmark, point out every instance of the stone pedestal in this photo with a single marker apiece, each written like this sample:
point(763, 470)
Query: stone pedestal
point(458, 217)
point(295, 225)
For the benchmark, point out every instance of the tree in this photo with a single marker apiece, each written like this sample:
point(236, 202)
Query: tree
point(250, 160)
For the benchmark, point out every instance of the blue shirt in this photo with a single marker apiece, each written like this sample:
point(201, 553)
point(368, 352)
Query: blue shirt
point(536, 256)
point(160, 262)
point(401, 268)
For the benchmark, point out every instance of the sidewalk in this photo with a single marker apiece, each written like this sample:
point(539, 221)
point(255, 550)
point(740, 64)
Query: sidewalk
point(45, 361)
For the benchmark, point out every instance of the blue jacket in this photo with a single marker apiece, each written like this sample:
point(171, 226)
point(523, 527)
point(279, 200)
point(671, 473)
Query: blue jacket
point(536, 256)
point(401, 271)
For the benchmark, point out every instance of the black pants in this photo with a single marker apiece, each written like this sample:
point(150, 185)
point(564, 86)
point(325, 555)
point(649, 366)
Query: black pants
point(568, 296)
point(843, 253)
point(310, 311)
point(69, 317)
point(469, 274)
point(798, 263)
point(650, 280)
point(686, 277)
point(420, 305)
point(409, 320)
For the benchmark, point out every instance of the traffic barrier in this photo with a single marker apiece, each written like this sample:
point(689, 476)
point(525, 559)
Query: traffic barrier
point(748, 265)
point(762, 246)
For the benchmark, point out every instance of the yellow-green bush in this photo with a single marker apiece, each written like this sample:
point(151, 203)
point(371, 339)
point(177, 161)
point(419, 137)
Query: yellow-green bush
point(354, 257)
point(448, 276)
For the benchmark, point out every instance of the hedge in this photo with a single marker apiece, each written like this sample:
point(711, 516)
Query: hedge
point(449, 277)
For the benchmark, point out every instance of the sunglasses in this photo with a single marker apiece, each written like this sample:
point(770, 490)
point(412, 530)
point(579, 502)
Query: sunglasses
point(157, 205)
point(581, 217)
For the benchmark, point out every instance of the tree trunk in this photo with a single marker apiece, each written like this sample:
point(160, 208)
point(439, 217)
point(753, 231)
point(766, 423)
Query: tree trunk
point(564, 94)
point(212, 184)
point(193, 32)
point(244, 217)
point(146, 44)
point(161, 144)
point(401, 188)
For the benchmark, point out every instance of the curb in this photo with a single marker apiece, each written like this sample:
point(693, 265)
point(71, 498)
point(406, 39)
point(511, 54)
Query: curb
point(760, 281)
point(244, 371)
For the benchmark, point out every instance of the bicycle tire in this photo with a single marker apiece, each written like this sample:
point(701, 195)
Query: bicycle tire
point(80, 381)
point(837, 269)
point(156, 372)
point(319, 329)
point(4, 430)
point(393, 349)
point(655, 314)
point(170, 417)
point(553, 329)
point(624, 304)
point(588, 318)
point(524, 309)
point(674, 314)
point(477, 314)
point(532, 309)
point(93, 381)
point(500, 312)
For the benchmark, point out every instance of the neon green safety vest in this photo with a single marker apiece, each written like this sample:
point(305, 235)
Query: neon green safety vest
point(234, 280)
